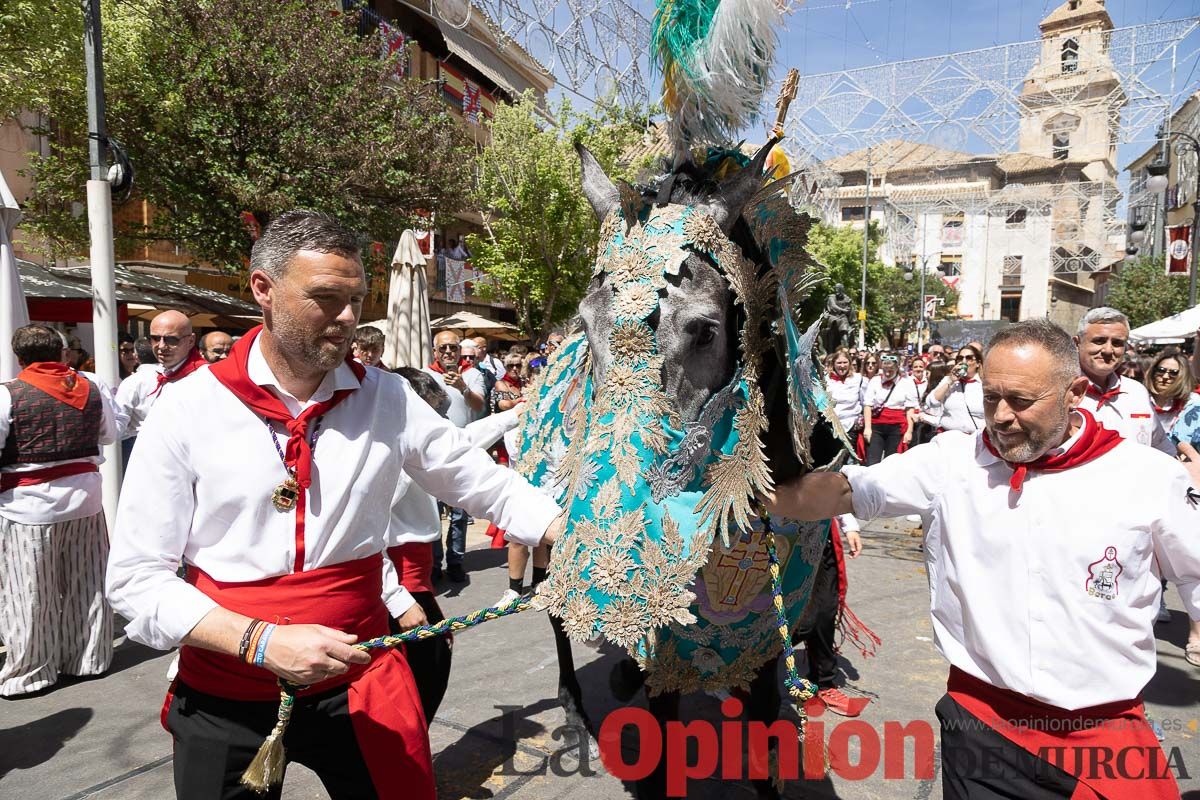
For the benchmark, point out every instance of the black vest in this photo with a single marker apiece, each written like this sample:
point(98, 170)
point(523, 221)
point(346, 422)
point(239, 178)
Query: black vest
point(45, 428)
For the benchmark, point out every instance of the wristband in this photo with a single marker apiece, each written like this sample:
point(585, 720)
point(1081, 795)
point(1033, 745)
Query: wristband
point(244, 647)
point(261, 652)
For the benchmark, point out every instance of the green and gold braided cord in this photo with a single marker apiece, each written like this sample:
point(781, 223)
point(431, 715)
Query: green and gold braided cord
point(800, 689)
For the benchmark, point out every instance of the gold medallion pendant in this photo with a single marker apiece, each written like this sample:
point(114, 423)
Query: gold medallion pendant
point(285, 495)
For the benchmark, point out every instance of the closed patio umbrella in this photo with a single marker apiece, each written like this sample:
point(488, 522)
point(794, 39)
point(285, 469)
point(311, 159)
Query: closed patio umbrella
point(13, 311)
point(406, 330)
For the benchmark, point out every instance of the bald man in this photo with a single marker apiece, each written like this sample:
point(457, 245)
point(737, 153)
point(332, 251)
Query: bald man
point(215, 346)
point(175, 350)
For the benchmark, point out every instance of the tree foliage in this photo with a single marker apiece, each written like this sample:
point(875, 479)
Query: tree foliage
point(1145, 292)
point(541, 233)
point(255, 106)
point(892, 302)
point(41, 55)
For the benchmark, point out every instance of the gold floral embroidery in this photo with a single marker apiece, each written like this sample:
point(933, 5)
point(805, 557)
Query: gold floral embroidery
point(631, 341)
point(635, 301)
point(703, 233)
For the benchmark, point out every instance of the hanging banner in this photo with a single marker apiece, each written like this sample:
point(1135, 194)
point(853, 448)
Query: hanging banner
point(392, 42)
point(1179, 249)
point(471, 102)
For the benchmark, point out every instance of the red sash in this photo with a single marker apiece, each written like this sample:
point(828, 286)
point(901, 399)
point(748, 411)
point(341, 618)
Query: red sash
point(192, 362)
point(414, 564)
point(1095, 441)
point(11, 480)
point(59, 381)
point(385, 709)
point(888, 416)
point(1068, 737)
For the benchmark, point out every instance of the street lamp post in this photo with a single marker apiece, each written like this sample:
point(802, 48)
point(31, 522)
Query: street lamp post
point(1157, 182)
point(862, 305)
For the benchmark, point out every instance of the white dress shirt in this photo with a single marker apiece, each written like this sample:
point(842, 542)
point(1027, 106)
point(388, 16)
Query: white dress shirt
point(1051, 593)
point(199, 487)
point(62, 499)
point(847, 396)
point(460, 413)
point(901, 395)
point(415, 515)
point(962, 408)
point(136, 396)
point(1130, 413)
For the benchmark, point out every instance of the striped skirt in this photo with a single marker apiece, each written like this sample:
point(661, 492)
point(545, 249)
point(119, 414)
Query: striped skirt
point(53, 614)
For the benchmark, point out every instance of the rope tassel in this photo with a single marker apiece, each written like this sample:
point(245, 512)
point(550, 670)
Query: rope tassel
point(269, 764)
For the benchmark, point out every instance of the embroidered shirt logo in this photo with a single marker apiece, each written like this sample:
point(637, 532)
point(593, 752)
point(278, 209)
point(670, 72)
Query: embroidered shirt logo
point(1103, 574)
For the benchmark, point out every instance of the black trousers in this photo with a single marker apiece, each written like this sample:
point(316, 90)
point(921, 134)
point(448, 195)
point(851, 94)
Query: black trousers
point(980, 764)
point(817, 627)
point(885, 441)
point(216, 739)
point(429, 659)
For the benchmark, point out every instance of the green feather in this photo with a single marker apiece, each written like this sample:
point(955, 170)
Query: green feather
point(680, 26)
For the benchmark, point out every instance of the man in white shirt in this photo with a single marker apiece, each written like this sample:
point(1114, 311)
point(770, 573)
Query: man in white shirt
point(1043, 593)
point(1120, 403)
point(174, 347)
point(486, 360)
point(465, 388)
point(271, 476)
point(53, 539)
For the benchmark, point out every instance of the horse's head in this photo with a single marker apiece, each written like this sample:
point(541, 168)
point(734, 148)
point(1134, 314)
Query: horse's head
point(696, 323)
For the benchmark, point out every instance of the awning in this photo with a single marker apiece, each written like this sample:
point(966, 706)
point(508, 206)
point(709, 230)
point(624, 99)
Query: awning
point(1170, 330)
point(160, 292)
point(481, 57)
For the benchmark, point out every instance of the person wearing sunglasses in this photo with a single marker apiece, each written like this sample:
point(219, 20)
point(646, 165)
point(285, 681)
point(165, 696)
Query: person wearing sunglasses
point(1170, 383)
point(889, 407)
point(959, 396)
point(175, 350)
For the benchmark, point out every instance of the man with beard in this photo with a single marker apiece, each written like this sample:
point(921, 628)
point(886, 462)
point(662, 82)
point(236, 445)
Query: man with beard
point(215, 346)
point(271, 477)
point(1043, 592)
point(1120, 403)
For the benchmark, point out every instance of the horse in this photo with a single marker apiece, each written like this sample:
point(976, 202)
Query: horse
point(717, 343)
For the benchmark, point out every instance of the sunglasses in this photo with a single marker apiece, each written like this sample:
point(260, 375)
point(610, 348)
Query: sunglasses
point(967, 357)
point(1166, 371)
point(448, 348)
point(169, 341)
point(890, 360)
point(470, 356)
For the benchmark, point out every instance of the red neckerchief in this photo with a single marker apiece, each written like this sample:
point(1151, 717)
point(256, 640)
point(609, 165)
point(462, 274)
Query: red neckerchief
point(59, 381)
point(1171, 409)
point(436, 366)
point(513, 381)
point(966, 380)
point(233, 374)
point(833, 376)
point(1103, 397)
point(1095, 441)
point(192, 362)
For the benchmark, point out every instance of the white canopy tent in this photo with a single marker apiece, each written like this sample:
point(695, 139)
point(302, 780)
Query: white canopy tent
point(1171, 330)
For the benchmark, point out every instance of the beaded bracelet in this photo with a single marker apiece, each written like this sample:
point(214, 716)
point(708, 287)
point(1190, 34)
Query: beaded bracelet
point(244, 648)
point(261, 652)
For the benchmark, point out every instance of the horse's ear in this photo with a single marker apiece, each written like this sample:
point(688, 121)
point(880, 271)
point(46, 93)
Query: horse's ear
point(736, 191)
point(597, 187)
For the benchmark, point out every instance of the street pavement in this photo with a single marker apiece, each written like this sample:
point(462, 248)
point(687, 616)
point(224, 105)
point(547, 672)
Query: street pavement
point(500, 732)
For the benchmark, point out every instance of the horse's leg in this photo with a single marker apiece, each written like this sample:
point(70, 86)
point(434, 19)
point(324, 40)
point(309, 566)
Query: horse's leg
point(763, 706)
point(664, 708)
point(570, 694)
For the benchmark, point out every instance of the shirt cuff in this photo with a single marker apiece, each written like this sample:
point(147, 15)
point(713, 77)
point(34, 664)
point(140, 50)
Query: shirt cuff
point(400, 602)
point(866, 495)
point(534, 522)
point(179, 609)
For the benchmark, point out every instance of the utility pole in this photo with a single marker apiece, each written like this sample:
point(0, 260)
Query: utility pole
point(921, 291)
point(99, 205)
point(862, 303)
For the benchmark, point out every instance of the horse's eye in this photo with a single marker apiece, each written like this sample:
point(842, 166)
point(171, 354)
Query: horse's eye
point(705, 336)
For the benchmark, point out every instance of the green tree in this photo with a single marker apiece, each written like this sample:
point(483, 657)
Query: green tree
point(41, 54)
point(541, 234)
point(1145, 292)
point(255, 106)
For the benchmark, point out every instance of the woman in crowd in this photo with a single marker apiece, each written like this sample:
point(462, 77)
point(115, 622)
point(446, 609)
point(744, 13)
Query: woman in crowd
point(870, 366)
point(889, 408)
point(959, 395)
point(846, 389)
point(1170, 384)
point(509, 392)
point(925, 424)
point(128, 361)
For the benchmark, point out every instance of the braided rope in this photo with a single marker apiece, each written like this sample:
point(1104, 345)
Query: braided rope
point(266, 770)
point(800, 689)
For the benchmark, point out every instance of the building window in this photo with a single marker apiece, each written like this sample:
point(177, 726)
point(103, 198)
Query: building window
point(1015, 219)
point(1070, 56)
point(1061, 146)
point(854, 213)
point(951, 266)
point(952, 230)
point(1010, 307)
point(1011, 274)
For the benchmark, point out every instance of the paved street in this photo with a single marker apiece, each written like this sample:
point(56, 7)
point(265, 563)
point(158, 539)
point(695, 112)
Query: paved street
point(101, 738)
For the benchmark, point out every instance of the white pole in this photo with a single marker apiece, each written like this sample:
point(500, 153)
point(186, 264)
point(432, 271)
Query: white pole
point(99, 201)
point(104, 323)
